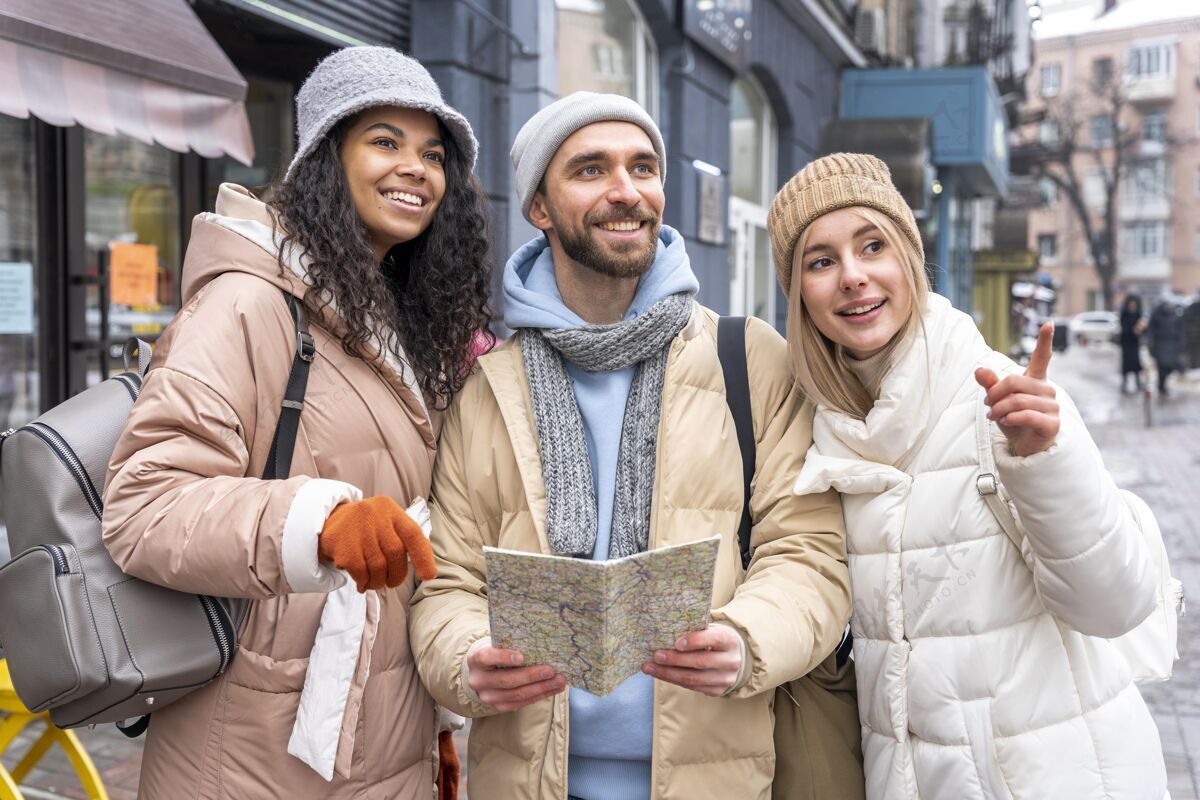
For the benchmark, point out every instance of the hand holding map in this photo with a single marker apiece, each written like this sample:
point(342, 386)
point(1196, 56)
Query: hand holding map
point(598, 622)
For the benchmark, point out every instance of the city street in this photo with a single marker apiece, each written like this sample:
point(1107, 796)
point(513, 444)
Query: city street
point(1161, 463)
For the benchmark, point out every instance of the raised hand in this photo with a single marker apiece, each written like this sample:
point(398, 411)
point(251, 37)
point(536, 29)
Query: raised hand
point(1023, 405)
point(706, 661)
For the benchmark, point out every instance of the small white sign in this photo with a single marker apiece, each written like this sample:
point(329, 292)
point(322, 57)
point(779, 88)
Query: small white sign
point(16, 297)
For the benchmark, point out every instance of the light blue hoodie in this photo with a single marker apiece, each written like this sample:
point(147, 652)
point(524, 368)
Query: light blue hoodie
point(610, 737)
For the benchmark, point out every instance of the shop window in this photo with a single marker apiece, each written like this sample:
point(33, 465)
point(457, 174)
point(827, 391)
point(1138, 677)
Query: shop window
point(753, 138)
point(1051, 80)
point(606, 46)
point(132, 223)
point(19, 340)
point(19, 399)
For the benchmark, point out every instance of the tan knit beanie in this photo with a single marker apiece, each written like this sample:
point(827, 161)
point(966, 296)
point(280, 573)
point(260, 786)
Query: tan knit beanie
point(836, 181)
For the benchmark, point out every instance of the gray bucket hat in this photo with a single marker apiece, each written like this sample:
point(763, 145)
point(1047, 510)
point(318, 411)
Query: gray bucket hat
point(358, 78)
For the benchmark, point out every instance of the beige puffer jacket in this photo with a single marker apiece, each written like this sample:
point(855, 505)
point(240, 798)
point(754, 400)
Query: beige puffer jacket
point(791, 606)
point(184, 507)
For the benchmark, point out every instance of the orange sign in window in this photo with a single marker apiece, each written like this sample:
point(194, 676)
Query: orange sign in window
point(133, 274)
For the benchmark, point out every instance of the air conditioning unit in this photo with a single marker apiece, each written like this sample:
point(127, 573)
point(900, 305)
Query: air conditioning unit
point(870, 30)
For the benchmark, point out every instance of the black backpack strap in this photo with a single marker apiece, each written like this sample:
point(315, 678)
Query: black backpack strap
point(731, 350)
point(279, 462)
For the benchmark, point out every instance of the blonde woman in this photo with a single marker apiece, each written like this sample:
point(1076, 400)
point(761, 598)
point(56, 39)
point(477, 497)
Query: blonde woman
point(981, 673)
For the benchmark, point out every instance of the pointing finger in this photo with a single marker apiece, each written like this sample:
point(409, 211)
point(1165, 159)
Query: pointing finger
point(1040, 360)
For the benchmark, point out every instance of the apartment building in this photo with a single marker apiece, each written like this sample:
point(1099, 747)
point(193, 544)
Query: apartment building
point(1148, 52)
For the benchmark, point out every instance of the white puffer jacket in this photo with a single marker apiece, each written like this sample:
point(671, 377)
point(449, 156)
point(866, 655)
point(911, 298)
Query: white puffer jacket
point(981, 675)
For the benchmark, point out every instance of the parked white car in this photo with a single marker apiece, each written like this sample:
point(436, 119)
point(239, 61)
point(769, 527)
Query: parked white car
point(1090, 327)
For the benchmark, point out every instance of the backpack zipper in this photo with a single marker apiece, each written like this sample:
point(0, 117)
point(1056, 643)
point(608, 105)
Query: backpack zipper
point(61, 565)
point(220, 629)
point(67, 456)
point(132, 384)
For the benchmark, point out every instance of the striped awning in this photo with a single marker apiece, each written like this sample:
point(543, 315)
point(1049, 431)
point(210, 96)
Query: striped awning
point(145, 68)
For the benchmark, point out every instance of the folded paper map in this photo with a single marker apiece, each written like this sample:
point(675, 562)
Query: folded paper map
point(597, 622)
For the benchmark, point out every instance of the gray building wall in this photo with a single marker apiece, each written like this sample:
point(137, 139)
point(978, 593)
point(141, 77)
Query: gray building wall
point(496, 62)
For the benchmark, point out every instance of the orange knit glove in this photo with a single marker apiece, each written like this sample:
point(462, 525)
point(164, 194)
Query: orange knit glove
point(448, 767)
point(372, 540)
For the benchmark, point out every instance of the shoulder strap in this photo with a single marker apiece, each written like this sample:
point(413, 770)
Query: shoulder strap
point(988, 483)
point(731, 350)
point(279, 462)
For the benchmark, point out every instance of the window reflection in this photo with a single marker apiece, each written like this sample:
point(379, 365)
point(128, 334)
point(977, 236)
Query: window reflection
point(604, 46)
point(19, 395)
point(132, 191)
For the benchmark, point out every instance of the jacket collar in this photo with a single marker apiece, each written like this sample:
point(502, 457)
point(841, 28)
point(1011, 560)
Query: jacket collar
point(915, 391)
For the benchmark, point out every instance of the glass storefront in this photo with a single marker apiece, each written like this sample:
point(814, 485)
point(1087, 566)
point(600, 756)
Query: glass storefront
point(133, 243)
point(19, 400)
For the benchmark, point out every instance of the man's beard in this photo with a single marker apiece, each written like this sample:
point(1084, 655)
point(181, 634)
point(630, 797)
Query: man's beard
point(630, 259)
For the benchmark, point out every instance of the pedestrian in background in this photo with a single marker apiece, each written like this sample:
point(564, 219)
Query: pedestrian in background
point(982, 672)
point(379, 228)
point(1132, 326)
point(1166, 341)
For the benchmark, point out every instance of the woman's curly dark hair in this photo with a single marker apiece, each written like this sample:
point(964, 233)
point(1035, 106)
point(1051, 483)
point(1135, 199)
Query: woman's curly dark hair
point(433, 291)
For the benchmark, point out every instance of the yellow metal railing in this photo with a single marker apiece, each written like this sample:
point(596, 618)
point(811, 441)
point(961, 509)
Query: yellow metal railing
point(14, 718)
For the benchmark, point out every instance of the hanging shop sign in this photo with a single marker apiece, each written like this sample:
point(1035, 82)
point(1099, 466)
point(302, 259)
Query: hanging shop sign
point(722, 27)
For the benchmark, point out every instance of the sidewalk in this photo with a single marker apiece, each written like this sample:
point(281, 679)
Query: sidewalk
point(1161, 464)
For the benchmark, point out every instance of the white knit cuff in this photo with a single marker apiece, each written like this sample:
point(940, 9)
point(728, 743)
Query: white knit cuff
point(306, 518)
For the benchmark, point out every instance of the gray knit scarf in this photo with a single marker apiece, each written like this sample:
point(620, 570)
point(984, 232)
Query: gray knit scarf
point(570, 494)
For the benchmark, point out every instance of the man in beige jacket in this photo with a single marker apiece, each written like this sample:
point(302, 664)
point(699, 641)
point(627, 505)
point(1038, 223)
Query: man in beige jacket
point(537, 455)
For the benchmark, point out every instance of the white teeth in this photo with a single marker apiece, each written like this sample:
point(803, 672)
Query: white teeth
point(862, 309)
point(630, 225)
point(405, 197)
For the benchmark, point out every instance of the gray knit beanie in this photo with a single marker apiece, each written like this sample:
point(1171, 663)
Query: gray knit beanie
point(358, 78)
point(540, 137)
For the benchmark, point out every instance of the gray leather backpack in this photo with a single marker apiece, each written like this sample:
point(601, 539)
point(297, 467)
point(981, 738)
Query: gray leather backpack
point(82, 638)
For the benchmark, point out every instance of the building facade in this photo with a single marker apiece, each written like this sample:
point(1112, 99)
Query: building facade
point(1147, 56)
point(95, 210)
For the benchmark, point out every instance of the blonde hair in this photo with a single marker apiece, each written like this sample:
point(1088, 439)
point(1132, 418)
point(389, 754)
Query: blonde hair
point(818, 363)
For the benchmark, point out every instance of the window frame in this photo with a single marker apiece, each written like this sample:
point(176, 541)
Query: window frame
point(644, 79)
point(1052, 239)
point(1050, 88)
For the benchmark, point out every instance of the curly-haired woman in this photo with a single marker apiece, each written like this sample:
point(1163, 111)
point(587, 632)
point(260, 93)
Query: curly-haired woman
point(379, 229)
